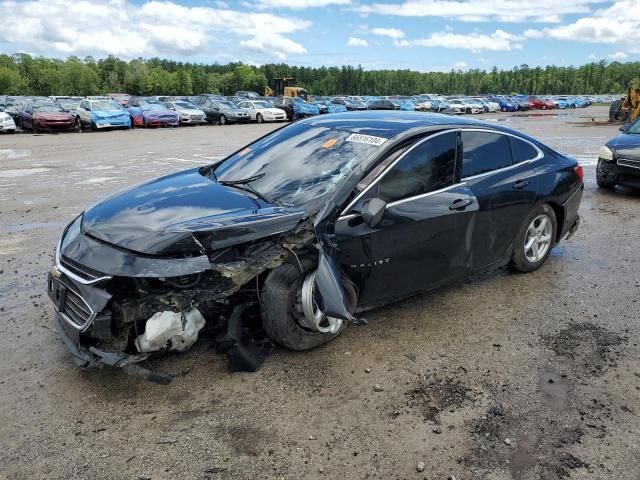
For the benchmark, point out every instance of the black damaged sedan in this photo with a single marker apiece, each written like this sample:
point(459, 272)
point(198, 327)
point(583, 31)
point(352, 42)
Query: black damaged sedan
point(309, 225)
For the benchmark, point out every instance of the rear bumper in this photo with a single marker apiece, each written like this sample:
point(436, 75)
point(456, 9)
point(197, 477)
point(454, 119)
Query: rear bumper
point(571, 216)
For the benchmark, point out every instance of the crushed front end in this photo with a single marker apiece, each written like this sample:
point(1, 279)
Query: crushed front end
point(117, 307)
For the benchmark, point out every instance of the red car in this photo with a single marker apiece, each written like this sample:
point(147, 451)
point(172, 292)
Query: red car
point(47, 116)
point(538, 103)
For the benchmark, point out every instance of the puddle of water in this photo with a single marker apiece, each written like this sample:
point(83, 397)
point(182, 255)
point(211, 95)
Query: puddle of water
point(10, 154)
point(99, 180)
point(555, 389)
point(22, 172)
point(523, 458)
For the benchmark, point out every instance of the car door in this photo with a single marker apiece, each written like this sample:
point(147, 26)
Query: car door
point(505, 185)
point(27, 116)
point(83, 112)
point(423, 238)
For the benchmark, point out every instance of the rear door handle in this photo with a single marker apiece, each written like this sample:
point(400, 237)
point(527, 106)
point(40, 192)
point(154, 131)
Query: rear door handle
point(520, 184)
point(460, 204)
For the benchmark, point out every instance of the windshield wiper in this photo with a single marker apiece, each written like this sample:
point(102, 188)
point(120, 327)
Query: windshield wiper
point(244, 184)
point(243, 181)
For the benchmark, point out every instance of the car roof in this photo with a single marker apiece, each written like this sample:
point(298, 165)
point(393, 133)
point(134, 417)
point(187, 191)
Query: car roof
point(389, 124)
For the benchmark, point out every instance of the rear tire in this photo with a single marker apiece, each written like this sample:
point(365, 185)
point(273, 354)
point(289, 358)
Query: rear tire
point(521, 258)
point(278, 305)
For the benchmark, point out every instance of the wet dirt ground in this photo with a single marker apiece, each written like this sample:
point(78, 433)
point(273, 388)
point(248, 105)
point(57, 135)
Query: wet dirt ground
point(502, 376)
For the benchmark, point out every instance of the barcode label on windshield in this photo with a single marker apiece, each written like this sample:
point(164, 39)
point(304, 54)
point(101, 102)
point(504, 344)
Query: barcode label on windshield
point(371, 140)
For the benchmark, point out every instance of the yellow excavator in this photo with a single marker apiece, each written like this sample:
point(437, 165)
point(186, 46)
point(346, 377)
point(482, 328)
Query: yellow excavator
point(285, 86)
point(627, 109)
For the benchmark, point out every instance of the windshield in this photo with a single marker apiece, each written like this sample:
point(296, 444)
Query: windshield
point(47, 108)
point(261, 105)
point(69, 104)
point(153, 106)
point(105, 105)
point(186, 105)
point(227, 105)
point(634, 127)
point(298, 163)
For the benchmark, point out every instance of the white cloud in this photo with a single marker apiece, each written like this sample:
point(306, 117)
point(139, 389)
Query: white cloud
point(300, 4)
point(388, 32)
point(545, 11)
point(615, 24)
point(153, 28)
point(357, 42)
point(618, 56)
point(476, 42)
point(280, 45)
point(460, 66)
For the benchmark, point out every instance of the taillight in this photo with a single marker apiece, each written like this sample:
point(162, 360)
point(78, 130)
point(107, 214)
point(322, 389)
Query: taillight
point(579, 172)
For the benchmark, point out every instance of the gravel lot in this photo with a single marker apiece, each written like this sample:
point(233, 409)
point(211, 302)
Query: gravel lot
point(502, 376)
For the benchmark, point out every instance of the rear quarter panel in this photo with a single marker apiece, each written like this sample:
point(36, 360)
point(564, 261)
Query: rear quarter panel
point(561, 187)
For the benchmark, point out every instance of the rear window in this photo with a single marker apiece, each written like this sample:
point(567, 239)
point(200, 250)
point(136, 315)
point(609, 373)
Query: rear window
point(484, 152)
point(522, 151)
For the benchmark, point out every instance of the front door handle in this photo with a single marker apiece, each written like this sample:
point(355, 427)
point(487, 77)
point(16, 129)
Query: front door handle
point(520, 184)
point(460, 204)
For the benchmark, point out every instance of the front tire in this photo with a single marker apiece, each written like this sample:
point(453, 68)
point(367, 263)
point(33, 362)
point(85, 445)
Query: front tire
point(259, 118)
point(604, 178)
point(535, 240)
point(223, 120)
point(281, 311)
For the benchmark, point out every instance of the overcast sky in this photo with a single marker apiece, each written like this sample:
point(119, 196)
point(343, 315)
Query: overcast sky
point(417, 34)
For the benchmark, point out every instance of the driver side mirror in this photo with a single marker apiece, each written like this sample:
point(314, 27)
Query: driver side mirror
point(373, 211)
point(623, 128)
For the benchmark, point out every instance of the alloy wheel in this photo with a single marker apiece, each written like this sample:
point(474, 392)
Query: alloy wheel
point(537, 241)
point(311, 316)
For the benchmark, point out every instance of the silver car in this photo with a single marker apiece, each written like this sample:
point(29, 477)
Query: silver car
point(189, 112)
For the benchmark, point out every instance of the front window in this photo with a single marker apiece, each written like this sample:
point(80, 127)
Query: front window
point(298, 163)
point(426, 168)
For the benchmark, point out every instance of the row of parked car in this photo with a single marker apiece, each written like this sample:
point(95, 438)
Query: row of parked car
point(124, 111)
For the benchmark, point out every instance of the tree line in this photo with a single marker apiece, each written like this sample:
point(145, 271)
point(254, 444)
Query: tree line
point(22, 74)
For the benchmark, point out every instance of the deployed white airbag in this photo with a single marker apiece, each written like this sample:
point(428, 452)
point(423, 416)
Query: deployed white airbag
point(180, 329)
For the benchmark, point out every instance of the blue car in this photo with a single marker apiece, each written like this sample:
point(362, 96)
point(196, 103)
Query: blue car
point(505, 104)
point(102, 114)
point(328, 107)
point(566, 102)
point(303, 109)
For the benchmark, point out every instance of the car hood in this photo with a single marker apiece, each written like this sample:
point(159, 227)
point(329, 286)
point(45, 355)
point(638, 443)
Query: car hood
point(626, 146)
point(272, 111)
point(184, 213)
point(109, 113)
point(190, 111)
point(53, 116)
point(234, 111)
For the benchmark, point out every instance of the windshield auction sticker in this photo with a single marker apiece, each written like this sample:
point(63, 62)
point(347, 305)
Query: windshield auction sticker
point(369, 139)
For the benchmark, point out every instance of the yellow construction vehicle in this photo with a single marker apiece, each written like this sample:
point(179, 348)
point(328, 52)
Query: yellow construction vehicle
point(285, 86)
point(627, 109)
